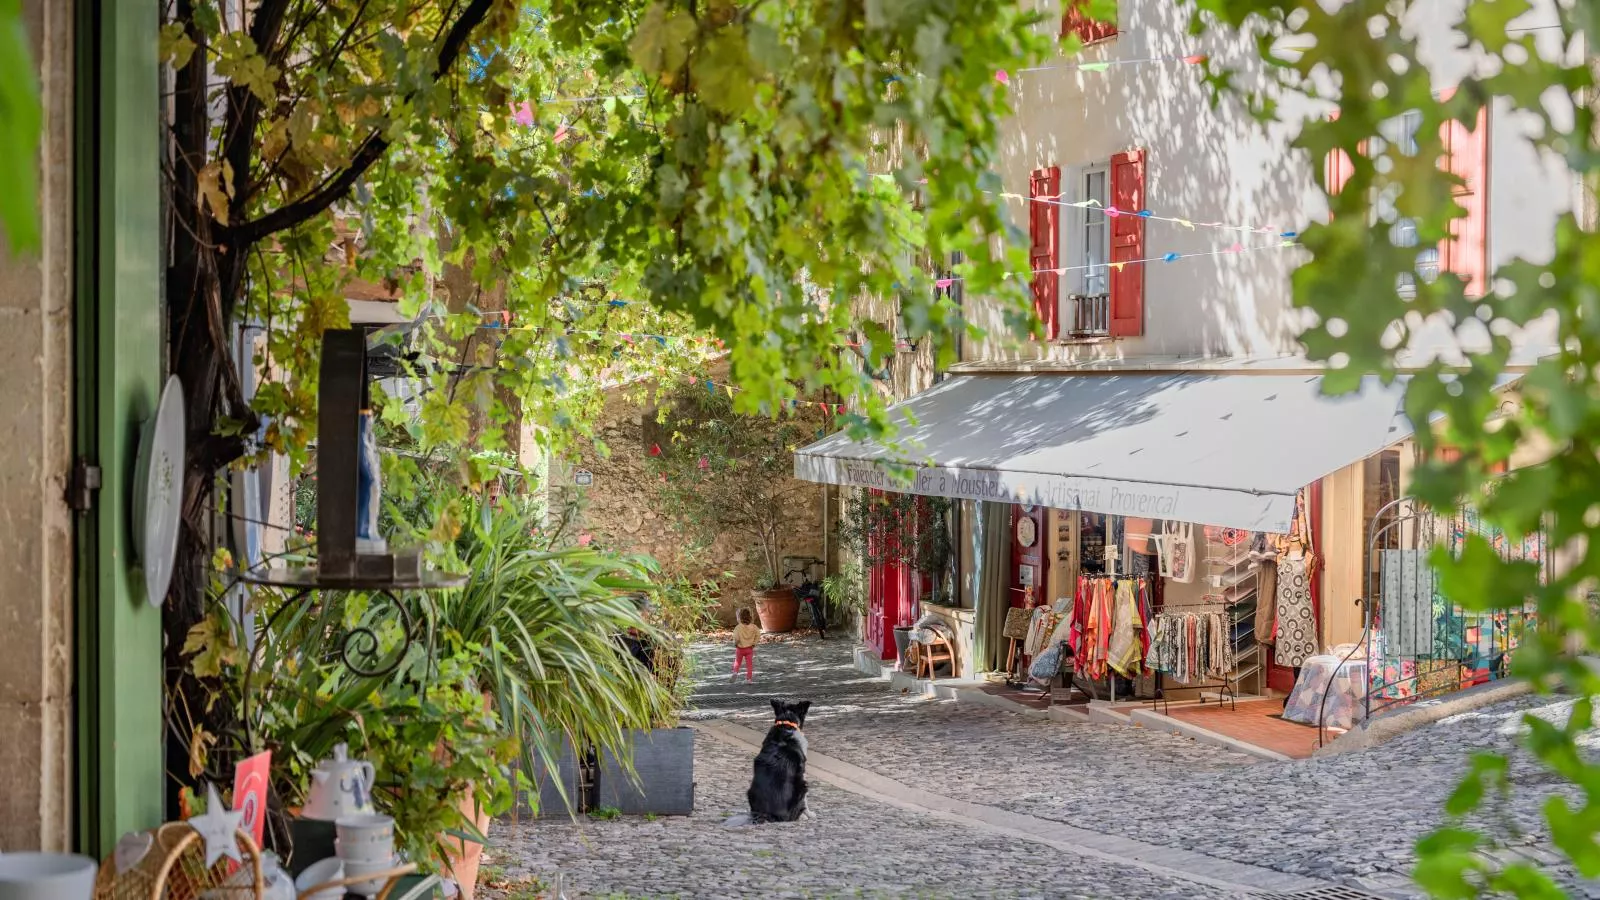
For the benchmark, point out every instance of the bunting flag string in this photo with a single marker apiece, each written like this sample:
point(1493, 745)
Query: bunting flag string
point(1113, 212)
point(502, 322)
point(788, 405)
point(1118, 266)
point(1192, 59)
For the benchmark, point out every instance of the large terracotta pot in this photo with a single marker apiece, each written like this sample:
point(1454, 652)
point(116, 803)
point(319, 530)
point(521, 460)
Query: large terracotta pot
point(777, 609)
point(465, 856)
point(462, 857)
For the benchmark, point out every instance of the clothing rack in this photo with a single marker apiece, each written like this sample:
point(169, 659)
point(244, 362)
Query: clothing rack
point(1230, 583)
point(1108, 612)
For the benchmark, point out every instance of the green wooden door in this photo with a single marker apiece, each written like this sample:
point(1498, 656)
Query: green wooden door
point(118, 318)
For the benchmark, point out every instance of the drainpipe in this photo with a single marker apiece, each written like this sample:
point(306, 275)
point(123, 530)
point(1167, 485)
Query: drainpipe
point(958, 292)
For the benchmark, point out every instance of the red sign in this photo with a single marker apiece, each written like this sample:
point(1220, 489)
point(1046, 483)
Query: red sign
point(250, 793)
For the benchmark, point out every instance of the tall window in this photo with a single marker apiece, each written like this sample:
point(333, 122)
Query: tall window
point(1096, 227)
point(1399, 136)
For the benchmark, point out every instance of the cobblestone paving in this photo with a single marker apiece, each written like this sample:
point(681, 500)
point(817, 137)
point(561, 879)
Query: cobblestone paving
point(1339, 818)
point(855, 848)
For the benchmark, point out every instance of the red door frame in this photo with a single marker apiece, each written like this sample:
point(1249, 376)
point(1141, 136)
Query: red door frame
point(1281, 678)
point(894, 594)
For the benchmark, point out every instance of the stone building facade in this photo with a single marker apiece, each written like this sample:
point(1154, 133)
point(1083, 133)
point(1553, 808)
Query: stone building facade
point(620, 506)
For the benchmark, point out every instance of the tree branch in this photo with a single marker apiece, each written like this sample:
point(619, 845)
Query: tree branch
point(368, 153)
point(245, 107)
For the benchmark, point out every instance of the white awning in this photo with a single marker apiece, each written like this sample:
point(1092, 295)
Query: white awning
point(1229, 450)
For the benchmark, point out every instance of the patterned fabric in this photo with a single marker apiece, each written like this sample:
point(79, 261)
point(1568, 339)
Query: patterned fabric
point(1125, 627)
point(1297, 626)
point(1190, 646)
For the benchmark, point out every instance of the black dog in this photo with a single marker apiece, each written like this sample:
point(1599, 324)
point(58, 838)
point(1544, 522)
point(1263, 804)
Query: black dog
point(778, 790)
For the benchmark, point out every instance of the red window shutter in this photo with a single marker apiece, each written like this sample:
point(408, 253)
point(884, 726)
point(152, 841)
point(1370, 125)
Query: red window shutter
point(1337, 168)
point(1127, 244)
point(1448, 454)
point(1088, 30)
point(1044, 245)
point(1466, 251)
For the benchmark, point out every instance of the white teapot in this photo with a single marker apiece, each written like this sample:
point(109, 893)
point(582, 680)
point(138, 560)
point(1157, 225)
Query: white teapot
point(340, 787)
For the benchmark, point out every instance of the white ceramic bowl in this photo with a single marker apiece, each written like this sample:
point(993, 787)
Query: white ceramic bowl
point(321, 872)
point(46, 876)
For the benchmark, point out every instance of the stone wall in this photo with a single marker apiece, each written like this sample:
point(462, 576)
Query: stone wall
point(36, 560)
point(621, 510)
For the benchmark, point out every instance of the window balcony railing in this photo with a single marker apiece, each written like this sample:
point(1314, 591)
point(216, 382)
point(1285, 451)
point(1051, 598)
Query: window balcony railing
point(1086, 316)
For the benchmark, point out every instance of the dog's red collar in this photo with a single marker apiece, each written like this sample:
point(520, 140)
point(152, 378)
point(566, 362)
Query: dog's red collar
point(794, 725)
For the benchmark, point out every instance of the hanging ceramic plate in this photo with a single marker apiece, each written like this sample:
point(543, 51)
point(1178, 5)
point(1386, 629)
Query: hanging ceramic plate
point(158, 492)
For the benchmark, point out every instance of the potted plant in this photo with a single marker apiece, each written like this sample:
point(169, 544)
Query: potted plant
point(776, 605)
point(722, 472)
point(846, 593)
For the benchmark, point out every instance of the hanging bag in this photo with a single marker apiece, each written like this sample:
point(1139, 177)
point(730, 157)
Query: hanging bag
point(1177, 551)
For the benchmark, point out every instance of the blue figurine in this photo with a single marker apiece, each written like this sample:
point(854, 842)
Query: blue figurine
point(369, 490)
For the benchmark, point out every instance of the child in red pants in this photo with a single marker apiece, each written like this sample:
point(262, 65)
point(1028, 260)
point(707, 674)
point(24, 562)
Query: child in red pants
point(745, 637)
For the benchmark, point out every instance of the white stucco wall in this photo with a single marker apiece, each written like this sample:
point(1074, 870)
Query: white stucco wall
point(1211, 163)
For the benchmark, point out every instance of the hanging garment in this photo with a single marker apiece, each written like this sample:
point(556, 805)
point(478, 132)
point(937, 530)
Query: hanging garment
point(1297, 625)
point(1145, 605)
point(1038, 629)
point(1124, 651)
point(1266, 599)
point(1080, 619)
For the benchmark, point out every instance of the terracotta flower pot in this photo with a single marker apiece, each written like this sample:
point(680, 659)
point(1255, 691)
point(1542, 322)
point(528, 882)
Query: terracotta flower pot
point(464, 856)
point(777, 609)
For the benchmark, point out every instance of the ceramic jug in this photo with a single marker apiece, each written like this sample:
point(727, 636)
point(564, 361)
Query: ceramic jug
point(340, 787)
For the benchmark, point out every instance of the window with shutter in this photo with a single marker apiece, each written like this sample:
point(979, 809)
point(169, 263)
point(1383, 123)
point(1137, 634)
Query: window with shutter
point(1127, 244)
point(1447, 454)
point(1466, 251)
point(1044, 245)
point(1076, 21)
point(1337, 168)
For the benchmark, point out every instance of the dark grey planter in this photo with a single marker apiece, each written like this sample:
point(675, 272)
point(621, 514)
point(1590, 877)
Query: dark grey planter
point(547, 786)
point(663, 759)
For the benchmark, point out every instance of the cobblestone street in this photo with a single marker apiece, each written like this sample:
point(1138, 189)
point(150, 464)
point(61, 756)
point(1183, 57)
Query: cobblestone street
point(925, 798)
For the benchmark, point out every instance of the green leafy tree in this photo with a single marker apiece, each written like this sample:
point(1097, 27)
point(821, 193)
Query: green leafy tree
point(722, 471)
point(1370, 51)
point(582, 169)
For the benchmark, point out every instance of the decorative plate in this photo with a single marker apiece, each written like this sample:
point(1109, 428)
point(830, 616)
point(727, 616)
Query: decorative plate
point(158, 492)
point(1027, 532)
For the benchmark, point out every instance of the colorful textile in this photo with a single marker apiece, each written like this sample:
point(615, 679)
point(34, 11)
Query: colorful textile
point(1297, 625)
point(1124, 655)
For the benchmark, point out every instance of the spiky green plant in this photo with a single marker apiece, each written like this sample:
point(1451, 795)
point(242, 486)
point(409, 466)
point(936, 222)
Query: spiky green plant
point(547, 622)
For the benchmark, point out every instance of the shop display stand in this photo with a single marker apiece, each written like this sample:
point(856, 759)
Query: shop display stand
point(1233, 581)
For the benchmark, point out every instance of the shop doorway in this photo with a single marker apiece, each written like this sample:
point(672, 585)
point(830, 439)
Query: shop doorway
point(1028, 566)
point(888, 605)
point(1421, 644)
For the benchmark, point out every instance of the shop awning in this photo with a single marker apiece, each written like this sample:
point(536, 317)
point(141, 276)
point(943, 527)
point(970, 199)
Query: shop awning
point(1229, 450)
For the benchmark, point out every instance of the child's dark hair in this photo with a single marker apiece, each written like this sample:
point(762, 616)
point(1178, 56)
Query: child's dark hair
point(744, 616)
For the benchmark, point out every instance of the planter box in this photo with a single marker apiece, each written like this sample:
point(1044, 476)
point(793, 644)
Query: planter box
point(569, 775)
point(663, 759)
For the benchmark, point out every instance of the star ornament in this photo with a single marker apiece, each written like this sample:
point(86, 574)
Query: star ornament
point(218, 829)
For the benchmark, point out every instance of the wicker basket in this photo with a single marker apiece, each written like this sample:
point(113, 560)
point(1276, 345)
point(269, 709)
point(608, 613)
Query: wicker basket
point(175, 869)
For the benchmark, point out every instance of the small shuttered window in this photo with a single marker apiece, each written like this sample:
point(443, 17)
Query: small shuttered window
point(1127, 244)
point(1076, 21)
point(1044, 245)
